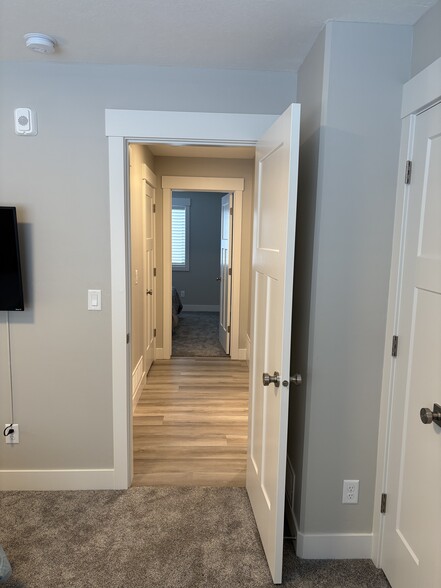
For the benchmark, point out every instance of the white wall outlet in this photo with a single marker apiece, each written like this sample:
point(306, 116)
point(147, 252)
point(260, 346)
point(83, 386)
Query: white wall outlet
point(350, 491)
point(12, 437)
point(182, 293)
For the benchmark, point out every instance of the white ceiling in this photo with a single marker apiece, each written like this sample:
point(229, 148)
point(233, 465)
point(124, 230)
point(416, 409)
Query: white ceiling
point(231, 34)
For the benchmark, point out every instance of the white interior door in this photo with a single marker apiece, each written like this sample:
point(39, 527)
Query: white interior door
point(149, 264)
point(225, 277)
point(412, 539)
point(272, 279)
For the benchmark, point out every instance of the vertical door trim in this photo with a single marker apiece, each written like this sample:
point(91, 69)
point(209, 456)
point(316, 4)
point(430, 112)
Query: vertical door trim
point(419, 93)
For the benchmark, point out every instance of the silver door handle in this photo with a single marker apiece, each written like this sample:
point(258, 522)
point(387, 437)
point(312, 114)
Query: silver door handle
point(267, 379)
point(428, 416)
point(218, 279)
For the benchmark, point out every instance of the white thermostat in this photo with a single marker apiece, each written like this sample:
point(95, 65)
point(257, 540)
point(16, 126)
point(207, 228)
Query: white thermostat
point(25, 121)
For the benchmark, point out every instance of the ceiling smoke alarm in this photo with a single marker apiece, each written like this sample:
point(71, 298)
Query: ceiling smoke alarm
point(40, 43)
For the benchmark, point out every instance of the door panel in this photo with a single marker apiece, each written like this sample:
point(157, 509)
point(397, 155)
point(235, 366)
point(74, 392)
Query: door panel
point(272, 278)
point(412, 541)
point(225, 265)
point(149, 261)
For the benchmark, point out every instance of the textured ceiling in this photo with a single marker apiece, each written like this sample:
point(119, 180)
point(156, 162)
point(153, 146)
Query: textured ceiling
point(232, 34)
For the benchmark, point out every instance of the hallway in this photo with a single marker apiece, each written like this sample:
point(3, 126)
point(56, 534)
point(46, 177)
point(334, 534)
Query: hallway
point(190, 424)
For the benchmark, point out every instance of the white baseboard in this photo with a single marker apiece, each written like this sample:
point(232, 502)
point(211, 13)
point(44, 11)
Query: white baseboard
point(57, 479)
point(201, 307)
point(137, 380)
point(159, 353)
point(242, 355)
point(334, 545)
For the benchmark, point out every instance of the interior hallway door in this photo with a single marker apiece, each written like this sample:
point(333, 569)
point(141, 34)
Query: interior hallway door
point(275, 206)
point(412, 539)
point(149, 279)
point(225, 271)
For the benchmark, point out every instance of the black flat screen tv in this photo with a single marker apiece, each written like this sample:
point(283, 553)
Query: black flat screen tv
point(11, 286)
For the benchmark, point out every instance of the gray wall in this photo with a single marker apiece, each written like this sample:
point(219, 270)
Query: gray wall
point(355, 153)
point(61, 353)
point(311, 82)
point(199, 282)
point(427, 39)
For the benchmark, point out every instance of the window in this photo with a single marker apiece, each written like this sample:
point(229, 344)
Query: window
point(180, 234)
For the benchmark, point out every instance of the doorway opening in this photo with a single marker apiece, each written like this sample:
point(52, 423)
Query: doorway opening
point(201, 285)
point(190, 406)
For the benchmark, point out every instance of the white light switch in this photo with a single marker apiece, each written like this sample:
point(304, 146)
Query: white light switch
point(94, 300)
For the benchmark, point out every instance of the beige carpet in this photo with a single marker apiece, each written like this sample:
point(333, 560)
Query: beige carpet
point(152, 537)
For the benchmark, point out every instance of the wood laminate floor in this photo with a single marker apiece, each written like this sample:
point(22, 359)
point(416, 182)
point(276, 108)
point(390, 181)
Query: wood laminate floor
point(190, 424)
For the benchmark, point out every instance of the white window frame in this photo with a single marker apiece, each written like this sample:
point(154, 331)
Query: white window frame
point(183, 203)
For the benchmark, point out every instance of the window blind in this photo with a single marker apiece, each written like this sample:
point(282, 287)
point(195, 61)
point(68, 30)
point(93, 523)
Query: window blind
point(179, 237)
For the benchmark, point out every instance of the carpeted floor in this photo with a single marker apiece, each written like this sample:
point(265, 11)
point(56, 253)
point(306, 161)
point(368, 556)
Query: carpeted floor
point(152, 538)
point(197, 335)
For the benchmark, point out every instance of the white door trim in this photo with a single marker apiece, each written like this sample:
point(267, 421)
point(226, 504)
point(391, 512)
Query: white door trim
point(419, 93)
point(236, 187)
point(121, 127)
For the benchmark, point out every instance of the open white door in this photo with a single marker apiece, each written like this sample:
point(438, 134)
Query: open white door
point(149, 263)
point(225, 277)
point(272, 277)
point(412, 539)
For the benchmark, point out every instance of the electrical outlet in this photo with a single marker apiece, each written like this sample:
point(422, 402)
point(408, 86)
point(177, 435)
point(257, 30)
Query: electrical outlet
point(350, 491)
point(12, 437)
point(182, 293)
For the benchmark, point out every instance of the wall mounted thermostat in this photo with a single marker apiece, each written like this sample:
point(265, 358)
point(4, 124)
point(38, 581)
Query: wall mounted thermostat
point(25, 121)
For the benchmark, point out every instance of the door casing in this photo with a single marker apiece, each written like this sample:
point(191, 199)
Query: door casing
point(205, 184)
point(419, 93)
point(130, 126)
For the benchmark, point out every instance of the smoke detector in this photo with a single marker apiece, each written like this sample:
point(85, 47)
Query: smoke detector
point(40, 43)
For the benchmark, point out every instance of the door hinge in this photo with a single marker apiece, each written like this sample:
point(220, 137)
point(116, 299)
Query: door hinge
point(154, 272)
point(408, 173)
point(228, 329)
point(127, 338)
point(154, 208)
point(231, 212)
point(383, 503)
point(154, 332)
point(394, 346)
point(230, 271)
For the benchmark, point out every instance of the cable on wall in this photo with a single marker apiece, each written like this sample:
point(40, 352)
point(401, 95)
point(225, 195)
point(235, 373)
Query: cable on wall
point(8, 334)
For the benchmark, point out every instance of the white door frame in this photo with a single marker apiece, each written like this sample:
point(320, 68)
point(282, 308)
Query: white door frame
point(419, 93)
point(121, 128)
point(202, 184)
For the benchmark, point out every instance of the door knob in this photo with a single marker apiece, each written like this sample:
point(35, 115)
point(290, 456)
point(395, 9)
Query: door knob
point(267, 379)
point(149, 292)
point(218, 279)
point(428, 416)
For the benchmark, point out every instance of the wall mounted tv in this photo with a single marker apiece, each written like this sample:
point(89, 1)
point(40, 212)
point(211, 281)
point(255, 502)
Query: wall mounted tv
point(11, 287)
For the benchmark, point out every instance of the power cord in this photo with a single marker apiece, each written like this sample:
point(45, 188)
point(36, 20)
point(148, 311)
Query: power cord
point(8, 430)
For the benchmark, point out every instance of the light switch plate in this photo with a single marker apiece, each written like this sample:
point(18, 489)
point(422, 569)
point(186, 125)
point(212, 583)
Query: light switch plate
point(94, 300)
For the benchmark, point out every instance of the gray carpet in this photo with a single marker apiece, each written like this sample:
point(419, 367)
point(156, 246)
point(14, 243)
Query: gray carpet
point(197, 335)
point(149, 538)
